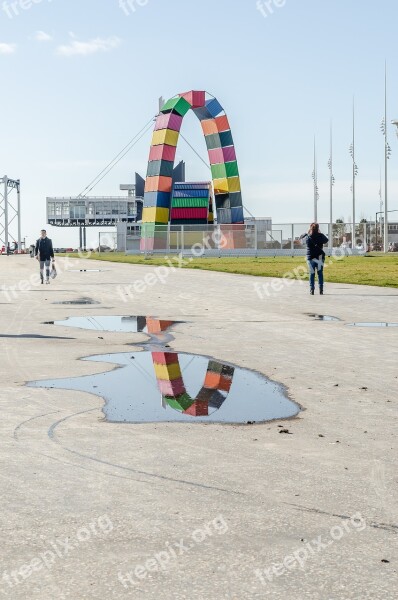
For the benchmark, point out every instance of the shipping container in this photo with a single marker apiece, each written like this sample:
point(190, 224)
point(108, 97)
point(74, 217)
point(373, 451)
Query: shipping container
point(209, 126)
point(221, 186)
point(163, 152)
point(235, 199)
point(160, 167)
point(218, 171)
point(168, 121)
point(226, 138)
point(189, 213)
point(155, 215)
point(161, 199)
point(168, 372)
point(158, 184)
point(229, 154)
point(197, 185)
point(216, 156)
point(211, 110)
point(222, 123)
point(164, 358)
point(232, 169)
point(233, 184)
point(190, 202)
point(165, 136)
point(178, 105)
point(171, 388)
point(196, 99)
point(213, 141)
point(224, 215)
point(237, 215)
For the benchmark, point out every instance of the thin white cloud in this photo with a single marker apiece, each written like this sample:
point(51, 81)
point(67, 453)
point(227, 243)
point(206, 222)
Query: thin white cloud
point(42, 36)
point(76, 48)
point(7, 48)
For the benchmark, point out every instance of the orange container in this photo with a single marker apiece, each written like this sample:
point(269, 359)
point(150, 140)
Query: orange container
point(158, 184)
point(222, 124)
point(209, 126)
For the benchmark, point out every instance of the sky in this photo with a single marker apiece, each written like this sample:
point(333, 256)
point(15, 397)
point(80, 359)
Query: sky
point(82, 77)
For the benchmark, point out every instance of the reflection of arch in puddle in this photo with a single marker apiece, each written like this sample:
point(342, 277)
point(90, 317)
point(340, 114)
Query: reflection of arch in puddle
point(212, 395)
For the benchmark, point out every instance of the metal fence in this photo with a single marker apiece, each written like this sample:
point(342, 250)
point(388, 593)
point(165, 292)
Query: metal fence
point(259, 238)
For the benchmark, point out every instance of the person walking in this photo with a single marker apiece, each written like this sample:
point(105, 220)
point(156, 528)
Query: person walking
point(315, 241)
point(44, 253)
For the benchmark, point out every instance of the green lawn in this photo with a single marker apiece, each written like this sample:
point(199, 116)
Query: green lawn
point(373, 269)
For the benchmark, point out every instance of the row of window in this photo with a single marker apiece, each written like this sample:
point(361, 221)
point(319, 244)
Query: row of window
point(67, 210)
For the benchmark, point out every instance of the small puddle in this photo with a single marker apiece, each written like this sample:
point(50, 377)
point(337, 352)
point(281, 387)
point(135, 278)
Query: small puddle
point(168, 386)
point(79, 302)
point(33, 336)
point(117, 324)
point(372, 324)
point(87, 270)
point(323, 317)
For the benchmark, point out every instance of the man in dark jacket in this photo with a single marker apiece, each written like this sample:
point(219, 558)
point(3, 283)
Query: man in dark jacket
point(315, 241)
point(44, 253)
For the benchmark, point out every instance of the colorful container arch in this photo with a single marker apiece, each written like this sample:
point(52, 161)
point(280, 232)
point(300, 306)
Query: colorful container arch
point(222, 157)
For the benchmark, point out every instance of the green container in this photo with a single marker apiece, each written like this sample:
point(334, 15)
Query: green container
point(180, 403)
point(213, 141)
point(179, 105)
point(190, 202)
point(152, 230)
point(232, 169)
point(218, 171)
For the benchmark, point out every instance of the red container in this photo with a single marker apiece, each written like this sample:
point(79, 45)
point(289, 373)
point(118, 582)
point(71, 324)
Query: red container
point(169, 121)
point(158, 184)
point(164, 358)
point(195, 99)
point(163, 152)
point(222, 123)
point(198, 409)
point(189, 213)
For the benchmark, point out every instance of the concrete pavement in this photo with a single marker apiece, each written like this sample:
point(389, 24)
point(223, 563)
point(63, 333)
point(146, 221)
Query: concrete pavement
point(98, 510)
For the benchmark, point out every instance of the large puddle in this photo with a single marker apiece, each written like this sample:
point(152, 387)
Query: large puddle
point(167, 386)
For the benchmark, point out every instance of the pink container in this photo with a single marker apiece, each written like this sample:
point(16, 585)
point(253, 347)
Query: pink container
point(229, 153)
point(163, 152)
point(171, 388)
point(195, 99)
point(216, 156)
point(168, 121)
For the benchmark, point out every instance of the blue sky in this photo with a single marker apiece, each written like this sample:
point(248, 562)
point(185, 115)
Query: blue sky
point(82, 77)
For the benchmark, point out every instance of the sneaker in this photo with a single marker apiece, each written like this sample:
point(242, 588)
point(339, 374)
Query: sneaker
point(312, 292)
point(47, 281)
point(321, 292)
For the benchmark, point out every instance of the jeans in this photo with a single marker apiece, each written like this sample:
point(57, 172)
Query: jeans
point(45, 263)
point(316, 266)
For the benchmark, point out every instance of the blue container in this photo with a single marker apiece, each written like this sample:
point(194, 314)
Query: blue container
point(163, 168)
point(236, 199)
point(210, 111)
point(237, 215)
point(198, 185)
point(160, 199)
point(226, 138)
point(192, 193)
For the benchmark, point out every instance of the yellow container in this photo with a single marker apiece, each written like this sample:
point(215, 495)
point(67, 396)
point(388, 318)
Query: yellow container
point(155, 214)
point(221, 186)
point(165, 136)
point(234, 184)
point(168, 372)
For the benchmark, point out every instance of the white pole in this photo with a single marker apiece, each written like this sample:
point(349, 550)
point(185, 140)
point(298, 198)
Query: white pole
point(386, 167)
point(19, 216)
point(5, 180)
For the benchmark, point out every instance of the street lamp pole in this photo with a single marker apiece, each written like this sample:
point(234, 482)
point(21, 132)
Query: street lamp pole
point(354, 175)
point(315, 178)
point(387, 154)
point(332, 182)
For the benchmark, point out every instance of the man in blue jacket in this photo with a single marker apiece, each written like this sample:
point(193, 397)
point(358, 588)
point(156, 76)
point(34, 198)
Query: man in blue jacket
point(315, 241)
point(44, 253)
